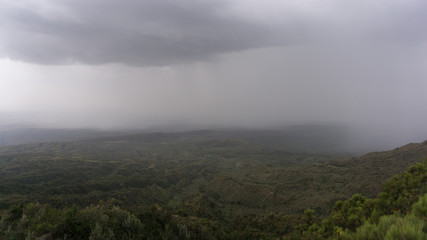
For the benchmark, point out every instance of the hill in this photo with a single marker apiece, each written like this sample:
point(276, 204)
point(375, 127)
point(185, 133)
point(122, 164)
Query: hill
point(237, 175)
point(300, 138)
point(399, 212)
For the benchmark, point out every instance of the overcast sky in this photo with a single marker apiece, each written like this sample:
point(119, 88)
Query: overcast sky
point(249, 63)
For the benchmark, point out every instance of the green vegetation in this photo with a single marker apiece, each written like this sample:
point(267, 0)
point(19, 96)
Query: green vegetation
point(400, 210)
point(137, 172)
point(355, 218)
point(412, 225)
point(193, 186)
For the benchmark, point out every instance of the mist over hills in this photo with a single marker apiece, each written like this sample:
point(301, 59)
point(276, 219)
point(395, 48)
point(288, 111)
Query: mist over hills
point(327, 138)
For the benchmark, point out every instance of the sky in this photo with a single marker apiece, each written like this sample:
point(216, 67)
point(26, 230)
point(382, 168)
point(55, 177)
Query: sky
point(215, 63)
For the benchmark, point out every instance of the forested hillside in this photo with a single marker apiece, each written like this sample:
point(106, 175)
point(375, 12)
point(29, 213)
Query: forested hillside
point(197, 185)
point(399, 212)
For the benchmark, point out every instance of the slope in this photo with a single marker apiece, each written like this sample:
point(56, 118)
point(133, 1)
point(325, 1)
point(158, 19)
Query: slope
point(237, 176)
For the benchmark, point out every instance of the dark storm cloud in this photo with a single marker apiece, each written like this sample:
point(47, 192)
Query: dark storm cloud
point(359, 63)
point(149, 32)
point(153, 32)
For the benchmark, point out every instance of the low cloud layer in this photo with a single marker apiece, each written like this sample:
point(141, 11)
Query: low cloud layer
point(121, 64)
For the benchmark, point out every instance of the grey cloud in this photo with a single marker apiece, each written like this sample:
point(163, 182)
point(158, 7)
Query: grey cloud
point(159, 33)
point(358, 63)
point(131, 32)
point(397, 22)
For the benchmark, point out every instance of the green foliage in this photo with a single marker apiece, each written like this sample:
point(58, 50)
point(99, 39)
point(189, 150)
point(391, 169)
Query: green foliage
point(101, 234)
point(271, 226)
point(403, 190)
point(171, 168)
point(400, 193)
point(152, 187)
point(351, 213)
point(144, 170)
point(419, 208)
point(390, 227)
point(93, 222)
point(308, 217)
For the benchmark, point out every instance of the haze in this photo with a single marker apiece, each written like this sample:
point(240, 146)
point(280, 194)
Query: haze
point(216, 63)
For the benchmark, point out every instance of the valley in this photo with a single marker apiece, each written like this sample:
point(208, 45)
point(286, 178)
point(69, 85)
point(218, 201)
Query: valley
point(214, 175)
